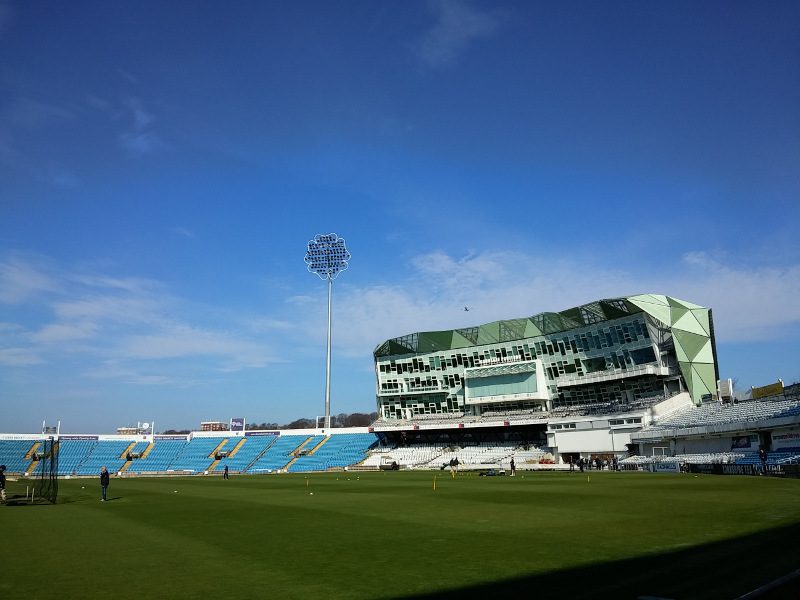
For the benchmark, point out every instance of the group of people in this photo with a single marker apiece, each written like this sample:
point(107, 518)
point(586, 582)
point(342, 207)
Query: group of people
point(596, 462)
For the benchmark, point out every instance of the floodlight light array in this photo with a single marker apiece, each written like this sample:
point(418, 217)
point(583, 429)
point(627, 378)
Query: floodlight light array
point(327, 256)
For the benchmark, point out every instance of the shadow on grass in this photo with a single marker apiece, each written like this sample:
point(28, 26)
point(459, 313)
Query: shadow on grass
point(721, 570)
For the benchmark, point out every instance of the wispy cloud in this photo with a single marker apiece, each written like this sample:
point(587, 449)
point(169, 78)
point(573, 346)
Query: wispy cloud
point(30, 113)
point(458, 25)
point(749, 302)
point(140, 137)
point(184, 341)
point(19, 357)
point(21, 278)
point(20, 117)
point(128, 76)
point(112, 370)
point(64, 332)
point(183, 231)
point(131, 319)
point(140, 142)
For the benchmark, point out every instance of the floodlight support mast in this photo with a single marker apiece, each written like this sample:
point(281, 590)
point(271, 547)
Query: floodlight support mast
point(328, 360)
point(327, 256)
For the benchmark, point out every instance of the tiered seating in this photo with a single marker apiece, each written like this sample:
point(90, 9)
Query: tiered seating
point(412, 456)
point(12, 454)
point(527, 413)
point(104, 454)
point(715, 413)
point(160, 458)
point(278, 454)
point(341, 450)
point(252, 447)
point(139, 447)
point(704, 458)
point(231, 443)
point(71, 453)
point(477, 454)
point(194, 456)
point(312, 443)
point(529, 456)
point(773, 458)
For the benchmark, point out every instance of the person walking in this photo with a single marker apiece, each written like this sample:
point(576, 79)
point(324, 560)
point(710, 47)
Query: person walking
point(104, 479)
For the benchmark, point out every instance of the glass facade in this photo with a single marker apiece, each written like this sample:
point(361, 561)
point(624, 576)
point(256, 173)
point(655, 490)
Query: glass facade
point(621, 351)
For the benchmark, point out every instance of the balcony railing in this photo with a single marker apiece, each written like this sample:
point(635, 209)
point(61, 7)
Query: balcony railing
point(598, 376)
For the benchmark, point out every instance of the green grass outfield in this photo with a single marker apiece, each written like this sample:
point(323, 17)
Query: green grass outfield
point(389, 535)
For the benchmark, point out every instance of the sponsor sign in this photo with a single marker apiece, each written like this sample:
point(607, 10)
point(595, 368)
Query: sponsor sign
point(666, 467)
point(257, 433)
point(78, 437)
point(237, 424)
point(773, 389)
point(789, 439)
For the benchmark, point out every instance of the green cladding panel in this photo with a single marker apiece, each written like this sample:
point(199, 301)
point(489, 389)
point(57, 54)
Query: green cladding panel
point(689, 324)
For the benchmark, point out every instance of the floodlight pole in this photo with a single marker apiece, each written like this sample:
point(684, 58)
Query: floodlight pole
point(328, 361)
point(327, 256)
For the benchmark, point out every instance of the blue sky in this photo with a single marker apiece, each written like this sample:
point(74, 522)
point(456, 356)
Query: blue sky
point(163, 165)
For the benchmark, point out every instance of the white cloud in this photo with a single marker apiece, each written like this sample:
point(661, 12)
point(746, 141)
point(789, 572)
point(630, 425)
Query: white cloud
point(265, 324)
point(140, 142)
point(19, 357)
point(113, 370)
point(20, 279)
point(457, 26)
point(749, 303)
point(183, 341)
point(129, 318)
point(64, 332)
point(183, 231)
point(29, 114)
point(139, 138)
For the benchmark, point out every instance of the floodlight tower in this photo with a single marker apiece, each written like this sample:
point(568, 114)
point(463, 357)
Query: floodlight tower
point(327, 256)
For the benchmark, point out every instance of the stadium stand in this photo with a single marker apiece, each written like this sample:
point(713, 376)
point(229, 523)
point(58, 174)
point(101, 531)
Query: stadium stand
point(160, 458)
point(103, 454)
point(72, 453)
point(139, 447)
point(408, 457)
point(338, 451)
point(248, 452)
point(196, 455)
point(278, 455)
point(715, 413)
point(12, 454)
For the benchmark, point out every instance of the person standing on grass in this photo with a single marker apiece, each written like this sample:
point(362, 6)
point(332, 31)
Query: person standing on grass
point(104, 479)
point(3, 483)
point(225, 472)
point(513, 467)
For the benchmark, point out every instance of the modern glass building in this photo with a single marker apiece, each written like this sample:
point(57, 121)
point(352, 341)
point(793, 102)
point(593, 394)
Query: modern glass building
point(609, 355)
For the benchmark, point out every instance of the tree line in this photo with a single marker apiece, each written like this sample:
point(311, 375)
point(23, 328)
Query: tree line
point(337, 421)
